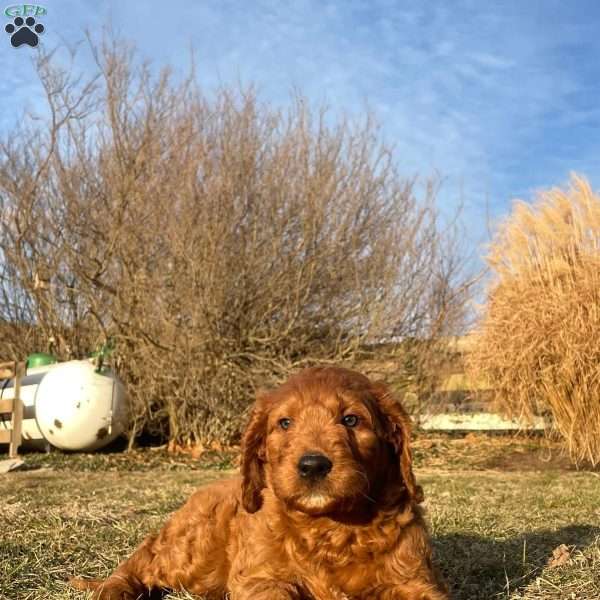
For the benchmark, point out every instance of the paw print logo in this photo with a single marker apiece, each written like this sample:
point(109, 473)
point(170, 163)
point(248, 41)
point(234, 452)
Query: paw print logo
point(24, 32)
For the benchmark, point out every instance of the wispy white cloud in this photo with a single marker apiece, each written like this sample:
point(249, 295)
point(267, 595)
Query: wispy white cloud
point(499, 98)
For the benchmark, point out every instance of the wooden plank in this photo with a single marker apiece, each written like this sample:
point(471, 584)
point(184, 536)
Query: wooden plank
point(477, 421)
point(5, 436)
point(6, 406)
point(461, 382)
point(6, 373)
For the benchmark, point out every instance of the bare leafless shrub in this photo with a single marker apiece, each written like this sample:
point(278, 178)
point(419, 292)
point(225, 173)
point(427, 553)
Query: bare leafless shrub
point(219, 242)
point(538, 344)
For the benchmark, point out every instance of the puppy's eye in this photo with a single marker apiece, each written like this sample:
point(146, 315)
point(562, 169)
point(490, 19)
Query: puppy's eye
point(350, 420)
point(285, 423)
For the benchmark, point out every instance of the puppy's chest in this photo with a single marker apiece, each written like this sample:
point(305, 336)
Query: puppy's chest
point(341, 563)
point(342, 546)
point(352, 582)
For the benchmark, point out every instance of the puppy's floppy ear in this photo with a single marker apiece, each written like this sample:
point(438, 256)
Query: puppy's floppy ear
point(398, 431)
point(253, 457)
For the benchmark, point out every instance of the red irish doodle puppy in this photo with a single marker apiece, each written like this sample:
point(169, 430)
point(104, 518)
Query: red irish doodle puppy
point(326, 508)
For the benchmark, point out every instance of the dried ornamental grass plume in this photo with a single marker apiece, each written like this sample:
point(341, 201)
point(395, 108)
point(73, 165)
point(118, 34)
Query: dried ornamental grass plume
point(538, 343)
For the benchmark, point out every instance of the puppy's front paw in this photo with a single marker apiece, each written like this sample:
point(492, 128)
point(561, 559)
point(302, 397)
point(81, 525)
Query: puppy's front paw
point(113, 588)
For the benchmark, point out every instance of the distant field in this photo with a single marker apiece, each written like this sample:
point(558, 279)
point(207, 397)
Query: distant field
point(497, 507)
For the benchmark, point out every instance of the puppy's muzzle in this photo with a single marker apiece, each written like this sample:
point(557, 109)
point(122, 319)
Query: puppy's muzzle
point(314, 466)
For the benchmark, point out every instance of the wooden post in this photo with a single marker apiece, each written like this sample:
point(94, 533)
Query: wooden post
point(17, 415)
point(14, 407)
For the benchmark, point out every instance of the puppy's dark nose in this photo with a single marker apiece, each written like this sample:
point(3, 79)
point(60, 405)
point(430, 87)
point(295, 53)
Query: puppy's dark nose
point(314, 466)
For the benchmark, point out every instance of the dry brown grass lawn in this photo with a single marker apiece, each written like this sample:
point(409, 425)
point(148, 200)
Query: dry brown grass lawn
point(494, 528)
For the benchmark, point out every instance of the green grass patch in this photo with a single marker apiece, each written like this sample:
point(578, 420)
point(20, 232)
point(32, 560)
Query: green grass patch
point(140, 459)
point(494, 529)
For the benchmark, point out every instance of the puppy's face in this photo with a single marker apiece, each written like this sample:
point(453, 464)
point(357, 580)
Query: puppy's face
point(323, 446)
point(323, 442)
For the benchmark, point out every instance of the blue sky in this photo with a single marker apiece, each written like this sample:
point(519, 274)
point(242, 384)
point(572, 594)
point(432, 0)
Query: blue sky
point(500, 98)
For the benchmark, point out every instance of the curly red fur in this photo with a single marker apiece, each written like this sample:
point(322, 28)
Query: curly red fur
point(351, 531)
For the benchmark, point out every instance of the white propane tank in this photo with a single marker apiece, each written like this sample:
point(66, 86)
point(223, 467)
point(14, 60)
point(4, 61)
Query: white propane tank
point(70, 405)
point(30, 431)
